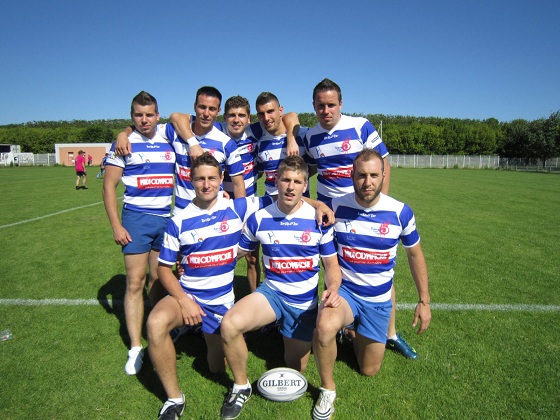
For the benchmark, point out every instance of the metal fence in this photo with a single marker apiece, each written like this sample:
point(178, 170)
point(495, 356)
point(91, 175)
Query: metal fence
point(474, 162)
point(27, 159)
point(396, 161)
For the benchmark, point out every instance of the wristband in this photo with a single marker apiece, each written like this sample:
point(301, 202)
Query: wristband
point(422, 302)
point(192, 141)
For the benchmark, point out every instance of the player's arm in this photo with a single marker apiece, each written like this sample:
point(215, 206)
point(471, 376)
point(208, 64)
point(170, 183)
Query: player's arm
point(291, 122)
point(241, 253)
point(122, 145)
point(323, 213)
point(238, 186)
point(387, 179)
point(191, 311)
point(182, 125)
point(419, 271)
point(333, 280)
point(112, 177)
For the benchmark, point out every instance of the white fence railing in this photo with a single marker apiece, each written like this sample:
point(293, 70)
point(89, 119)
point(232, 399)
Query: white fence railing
point(396, 161)
point(465, 161)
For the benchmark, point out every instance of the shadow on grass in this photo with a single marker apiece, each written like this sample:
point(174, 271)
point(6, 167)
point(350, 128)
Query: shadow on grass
point(111, 297)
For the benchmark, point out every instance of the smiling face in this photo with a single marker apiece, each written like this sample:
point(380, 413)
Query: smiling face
point(206, 181)
point(237, 120)
point(145, 119)
point(327, 106)
point(270, 116)
point(368, 175)
point(207, 109)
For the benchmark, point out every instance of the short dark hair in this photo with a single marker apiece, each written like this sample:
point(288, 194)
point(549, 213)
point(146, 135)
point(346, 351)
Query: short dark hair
point(327, 84)
point(208, 91)
point(293, 163)
point(143, 99)
point(205, 159)
point(266, 97)
point(368, 154)
point(237, 102)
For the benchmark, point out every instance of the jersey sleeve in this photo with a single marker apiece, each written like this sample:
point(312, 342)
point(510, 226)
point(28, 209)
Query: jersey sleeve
point(372, 140)
point(249, 241)
point(409, 235)
point(171, 245)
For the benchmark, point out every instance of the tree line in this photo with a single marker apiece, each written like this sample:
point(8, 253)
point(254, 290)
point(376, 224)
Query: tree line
point(527, 141)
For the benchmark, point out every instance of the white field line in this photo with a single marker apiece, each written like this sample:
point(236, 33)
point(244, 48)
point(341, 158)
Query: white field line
point(400, 306)
point(52, 214)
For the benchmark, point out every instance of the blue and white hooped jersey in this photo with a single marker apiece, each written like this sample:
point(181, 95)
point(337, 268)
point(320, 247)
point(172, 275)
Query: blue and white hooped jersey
point(272, 151)
point(247, 147)
point(292, 246)
point(367, 240)
point(206, 243)
point(334, 151)
point(148, 174)
point(219, 145)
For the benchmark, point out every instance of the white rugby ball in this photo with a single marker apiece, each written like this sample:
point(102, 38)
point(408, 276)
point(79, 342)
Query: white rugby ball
point(282, 384)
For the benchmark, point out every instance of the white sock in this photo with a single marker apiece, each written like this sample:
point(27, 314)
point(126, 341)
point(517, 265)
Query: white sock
point(177, 400)
point(393, 337)
point(237, 387)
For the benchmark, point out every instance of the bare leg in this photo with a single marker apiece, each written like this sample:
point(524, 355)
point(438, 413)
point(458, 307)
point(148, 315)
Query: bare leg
point(251, 312)
point(165, 316)
point(134, 300)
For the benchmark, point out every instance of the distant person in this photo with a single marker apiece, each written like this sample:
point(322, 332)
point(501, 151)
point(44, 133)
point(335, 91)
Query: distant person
point(102, 166)
point(369, 226)
point(147, 173)
point(89, 160)
point(80, 166)
point(293, 247)
point(204, 237)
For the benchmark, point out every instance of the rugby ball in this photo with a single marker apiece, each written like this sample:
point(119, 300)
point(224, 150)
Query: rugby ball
point(282, 384)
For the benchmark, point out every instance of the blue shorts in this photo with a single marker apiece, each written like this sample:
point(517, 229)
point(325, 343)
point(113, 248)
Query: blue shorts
point(213, 319)
point(146, 230)
point(371, 319)
point(296, 323)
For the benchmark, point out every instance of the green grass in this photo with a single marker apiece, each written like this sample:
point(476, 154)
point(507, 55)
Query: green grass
point(490, 237)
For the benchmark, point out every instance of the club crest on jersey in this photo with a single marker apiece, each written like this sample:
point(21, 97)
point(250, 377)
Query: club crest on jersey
point(224, 226)
point(382, 229)
point(344, 147)
point(305, 237)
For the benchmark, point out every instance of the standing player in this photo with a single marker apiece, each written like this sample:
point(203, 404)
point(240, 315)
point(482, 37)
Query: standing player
point(147, 173)
point(208, 137)
point(293, 243)
point(204, 237)
point(80, 166)
point(333, 144)
point(369, 226)
point(275, 139)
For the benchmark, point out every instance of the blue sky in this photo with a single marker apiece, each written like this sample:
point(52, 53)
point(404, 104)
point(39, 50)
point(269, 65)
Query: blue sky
point(70, 60)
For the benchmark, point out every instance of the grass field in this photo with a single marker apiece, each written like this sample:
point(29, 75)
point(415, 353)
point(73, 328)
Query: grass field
point(492, 350)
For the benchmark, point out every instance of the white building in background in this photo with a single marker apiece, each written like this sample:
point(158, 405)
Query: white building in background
point(7, 152)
